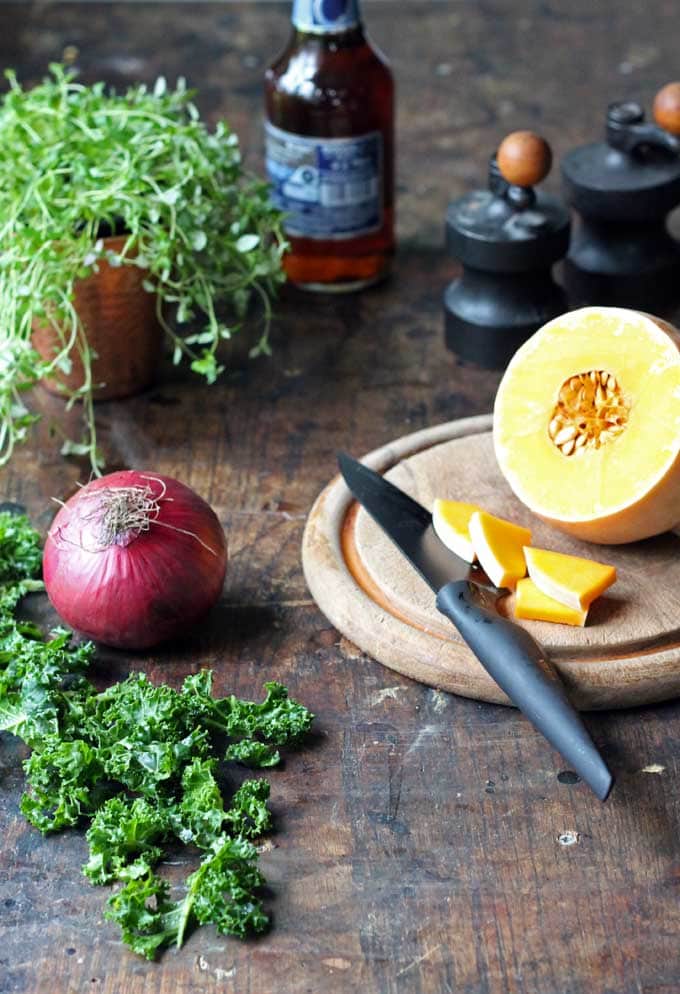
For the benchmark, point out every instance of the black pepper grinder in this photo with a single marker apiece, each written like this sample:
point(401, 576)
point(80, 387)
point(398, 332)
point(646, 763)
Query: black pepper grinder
point(507, 239)
point(621, 253)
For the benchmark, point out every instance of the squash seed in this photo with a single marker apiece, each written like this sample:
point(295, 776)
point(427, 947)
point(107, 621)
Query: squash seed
point(565, 435)
point(590, 411)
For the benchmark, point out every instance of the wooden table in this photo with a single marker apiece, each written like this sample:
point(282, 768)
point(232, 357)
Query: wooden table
point(417, 846)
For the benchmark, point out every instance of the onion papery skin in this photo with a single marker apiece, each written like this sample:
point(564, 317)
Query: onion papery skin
point(146, 587)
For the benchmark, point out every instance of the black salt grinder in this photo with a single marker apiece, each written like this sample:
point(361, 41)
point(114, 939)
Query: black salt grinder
point(507, 239)
point(621, 252)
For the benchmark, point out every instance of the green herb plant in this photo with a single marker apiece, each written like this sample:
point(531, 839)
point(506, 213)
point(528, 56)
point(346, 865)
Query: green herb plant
point(78, 161)
point(139, 764)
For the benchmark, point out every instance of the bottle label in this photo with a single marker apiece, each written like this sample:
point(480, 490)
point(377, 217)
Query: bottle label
point(329, 188)
point(325, 16)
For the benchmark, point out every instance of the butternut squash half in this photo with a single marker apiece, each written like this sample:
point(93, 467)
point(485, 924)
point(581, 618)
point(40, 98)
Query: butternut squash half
point(587, 424)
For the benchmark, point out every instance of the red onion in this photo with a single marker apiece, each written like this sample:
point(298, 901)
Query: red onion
point(134, 559)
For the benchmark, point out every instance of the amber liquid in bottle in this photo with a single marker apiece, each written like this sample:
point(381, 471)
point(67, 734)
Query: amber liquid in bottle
point(330, 149)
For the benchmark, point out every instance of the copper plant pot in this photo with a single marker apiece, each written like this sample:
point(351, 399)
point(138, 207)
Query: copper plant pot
point(119, 318)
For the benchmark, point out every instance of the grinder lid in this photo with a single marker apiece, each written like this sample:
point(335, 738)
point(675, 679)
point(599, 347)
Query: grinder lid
point(635, 173)
point(510, 227)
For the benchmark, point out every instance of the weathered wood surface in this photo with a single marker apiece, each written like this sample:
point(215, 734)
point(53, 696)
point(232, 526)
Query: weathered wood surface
point(627, 654)
point(417, 850)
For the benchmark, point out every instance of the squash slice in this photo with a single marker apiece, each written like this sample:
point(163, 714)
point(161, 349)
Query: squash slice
point(570, 580)
point(587, 424)
point(533, 605)
point(499, 546)
point(451, 522)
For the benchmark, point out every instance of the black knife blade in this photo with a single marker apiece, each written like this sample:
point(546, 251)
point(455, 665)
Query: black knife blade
point(506, 650)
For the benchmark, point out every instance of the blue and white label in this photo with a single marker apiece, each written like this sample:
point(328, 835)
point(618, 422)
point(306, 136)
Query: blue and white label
point(325, 15)
point(327, 187)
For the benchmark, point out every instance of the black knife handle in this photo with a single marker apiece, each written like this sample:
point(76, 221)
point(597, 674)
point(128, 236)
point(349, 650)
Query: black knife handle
point(519, 666)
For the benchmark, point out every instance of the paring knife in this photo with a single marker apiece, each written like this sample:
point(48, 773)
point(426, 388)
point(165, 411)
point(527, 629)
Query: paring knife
point(506, 650)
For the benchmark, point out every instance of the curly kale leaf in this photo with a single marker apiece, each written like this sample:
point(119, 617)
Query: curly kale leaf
point(148, 919)
point(277, 719)
point(10, 596)
point(144, 734)
point(137, 710)
point(222, 892)
point(26, 658)
point(199, 816)
point(122, 830)
point(67, 782)
point(197, 694)
point(41, 685)
point(257, 728)
point(253, 753)
point(20, 548)
point(248, 814)
point(13, 716)
point(20, 560)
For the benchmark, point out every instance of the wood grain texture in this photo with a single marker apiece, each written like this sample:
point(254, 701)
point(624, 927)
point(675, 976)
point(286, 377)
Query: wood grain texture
point(416, 849)
point(629, 652)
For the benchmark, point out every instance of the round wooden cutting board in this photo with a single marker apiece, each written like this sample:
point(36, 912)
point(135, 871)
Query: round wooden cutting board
point(628, 653)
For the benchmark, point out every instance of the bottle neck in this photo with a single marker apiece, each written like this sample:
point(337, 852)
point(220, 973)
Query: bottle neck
point(325, 16)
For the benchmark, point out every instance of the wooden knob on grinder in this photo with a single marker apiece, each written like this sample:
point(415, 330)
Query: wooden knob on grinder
point(524, 158)
point(666, 108)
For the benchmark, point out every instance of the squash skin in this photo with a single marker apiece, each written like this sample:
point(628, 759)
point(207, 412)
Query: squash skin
point(531, 604)
point(656, 511)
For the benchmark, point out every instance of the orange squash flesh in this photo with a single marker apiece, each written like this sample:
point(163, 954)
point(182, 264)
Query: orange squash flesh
point(570, 580)
point(533, 605)
point(451, 522)
point(623, 484)
point(499, 546)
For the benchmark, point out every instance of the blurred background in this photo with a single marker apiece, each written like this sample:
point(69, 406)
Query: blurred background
point(466, 72)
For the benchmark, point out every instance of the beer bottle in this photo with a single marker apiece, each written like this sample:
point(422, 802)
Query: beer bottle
point(330, 148)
